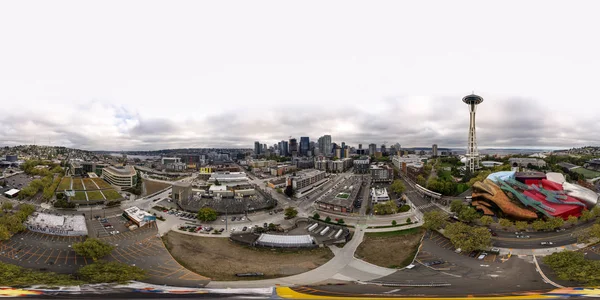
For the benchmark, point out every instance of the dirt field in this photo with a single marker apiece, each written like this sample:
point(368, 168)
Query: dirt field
point(153, 186)
point(390, 249)
point(221, 259)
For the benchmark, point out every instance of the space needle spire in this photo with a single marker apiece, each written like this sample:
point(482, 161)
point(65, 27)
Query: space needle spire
point(472, 152)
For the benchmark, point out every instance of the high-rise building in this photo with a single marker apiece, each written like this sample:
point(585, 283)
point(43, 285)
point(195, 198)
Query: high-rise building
point(359, 146)
point(257, 148)
point(325, 145)
point(398, 146)
point(293, 147)
point(434, 150)
point(283, 148)
point(472, 152)
point(372, 149)
point(383, 150)
point(264, 148)
point(304, 145)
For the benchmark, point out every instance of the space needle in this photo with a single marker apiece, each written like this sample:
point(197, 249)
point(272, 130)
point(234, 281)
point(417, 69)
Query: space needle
point(472, 153)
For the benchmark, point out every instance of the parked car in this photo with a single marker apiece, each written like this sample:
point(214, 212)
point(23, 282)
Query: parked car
point(222, 229)
point(433, 263)
point(482, 256)
point(245, 228)
point(473, 254)
point(232, 218)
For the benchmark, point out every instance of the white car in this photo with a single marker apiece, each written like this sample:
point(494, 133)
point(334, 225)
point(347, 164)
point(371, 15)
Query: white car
point(546, 243)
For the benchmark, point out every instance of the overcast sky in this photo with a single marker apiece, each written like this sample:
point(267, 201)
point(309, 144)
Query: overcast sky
point(127, 75)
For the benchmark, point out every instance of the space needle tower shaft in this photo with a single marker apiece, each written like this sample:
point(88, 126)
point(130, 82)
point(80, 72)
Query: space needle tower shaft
point(472, 153)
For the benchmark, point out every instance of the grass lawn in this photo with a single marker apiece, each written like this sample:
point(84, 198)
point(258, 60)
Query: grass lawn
point(588, 174)
point(221, 259)
point(94, 195)
point(79, 196)
point(394, 249)
point(78, 184)
point(342, 195)
point(89, 184)
point(111, 195)
point(154, 186)
point(101, 183)
point(65, 184)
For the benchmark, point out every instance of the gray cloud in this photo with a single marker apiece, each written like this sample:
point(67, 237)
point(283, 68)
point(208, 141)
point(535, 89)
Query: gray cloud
point(501, 123)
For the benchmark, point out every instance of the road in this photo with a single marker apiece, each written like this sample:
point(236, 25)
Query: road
point(561, 238)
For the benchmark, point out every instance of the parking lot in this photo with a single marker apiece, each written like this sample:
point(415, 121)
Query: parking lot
point(42, 251)
point(426, 257)
point(18, 181)
point(141, 247)
point(103, 227)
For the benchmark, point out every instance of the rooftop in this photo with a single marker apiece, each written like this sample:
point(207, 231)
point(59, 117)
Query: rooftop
point(121, 170)
point(307, 173)
point(137, 214)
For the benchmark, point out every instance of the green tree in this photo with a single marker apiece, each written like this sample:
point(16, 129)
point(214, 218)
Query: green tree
point(13, 223)
point(408, 220)
point(327, 220)
point(107, 272)
point(4, 233)
point(570, 265)
point(586, 215)
point(468, 238)
point(421, 180)
point(290, 212)
point(596, 211)
point(555, 223)
point(394, 222)
point(385, 208)
point(93, 248)
point(572, 220)
point(316, 216)
point(521, 225)
point(340, 221)
point(505, 223)
point(539, 224)
point(486, 220)
point(279, 190)
point(7, 206)
point(468, 214)
point(434, 220)
point(397, 187)
point(593, 232)
point(217, 182)
point(456, 206)
point(207, 214)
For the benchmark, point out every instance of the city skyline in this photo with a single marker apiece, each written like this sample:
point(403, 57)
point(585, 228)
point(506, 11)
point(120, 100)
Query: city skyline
point(208, 76)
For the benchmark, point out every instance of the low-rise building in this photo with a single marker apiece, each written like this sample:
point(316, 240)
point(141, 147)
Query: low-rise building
point(524, 162)
point(228, 178)
point(138, 216)
point(57, 225)
point(379, 195)
point(381, 173)
point(280, 170)
point(277, 183)
point(304, 181)
point(340, 165)
point(123, 176)
point(361, 165)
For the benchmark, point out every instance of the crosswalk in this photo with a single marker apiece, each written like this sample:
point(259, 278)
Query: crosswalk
point(425, 206)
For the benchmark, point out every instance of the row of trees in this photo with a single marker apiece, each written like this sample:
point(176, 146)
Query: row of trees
point(29, 168)
point(541, 224)
point(461, 235)
point(207, 214)
point(570, 265)
point(465, 213)
point(12, 222)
